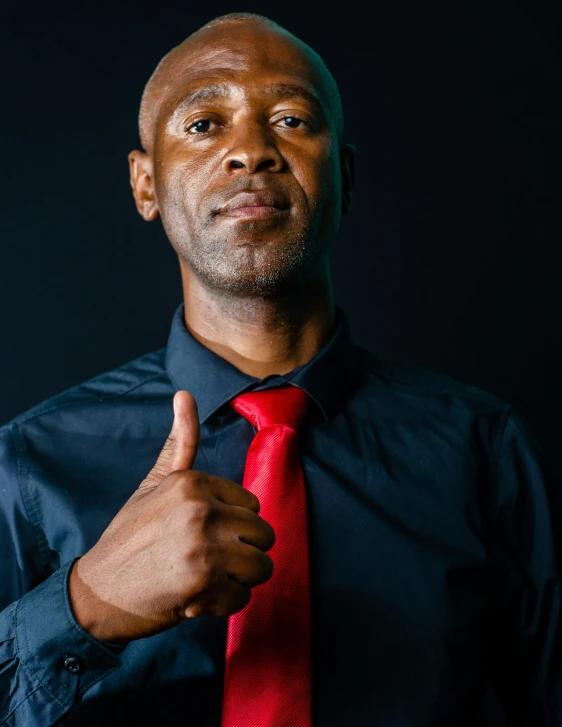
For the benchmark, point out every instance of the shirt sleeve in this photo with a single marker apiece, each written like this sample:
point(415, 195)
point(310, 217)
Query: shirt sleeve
point(526, 619)
point(47, 661)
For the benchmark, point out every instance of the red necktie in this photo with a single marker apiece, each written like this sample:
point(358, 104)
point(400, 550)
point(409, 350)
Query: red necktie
point(268, 650)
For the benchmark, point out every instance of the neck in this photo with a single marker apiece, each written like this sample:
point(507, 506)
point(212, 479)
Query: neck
point(260, 336)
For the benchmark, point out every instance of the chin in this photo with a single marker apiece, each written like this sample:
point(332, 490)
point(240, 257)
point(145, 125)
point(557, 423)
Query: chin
point(248, 264)
point(252, 281)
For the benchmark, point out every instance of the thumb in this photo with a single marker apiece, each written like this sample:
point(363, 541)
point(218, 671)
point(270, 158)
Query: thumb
point(180, 448)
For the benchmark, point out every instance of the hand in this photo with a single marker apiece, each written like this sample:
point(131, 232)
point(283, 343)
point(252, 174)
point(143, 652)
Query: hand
point(185, 544)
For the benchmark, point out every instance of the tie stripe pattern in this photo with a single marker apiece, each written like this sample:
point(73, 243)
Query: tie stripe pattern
point(268, 653)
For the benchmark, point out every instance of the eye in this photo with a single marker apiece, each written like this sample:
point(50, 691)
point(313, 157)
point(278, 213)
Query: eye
point(199, 127)
point(293, 122)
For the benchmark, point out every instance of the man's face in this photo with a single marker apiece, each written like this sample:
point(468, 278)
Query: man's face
point(246, 164)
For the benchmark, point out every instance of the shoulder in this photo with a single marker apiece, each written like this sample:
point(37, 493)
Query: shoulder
point(132, 380)
point(419, 412)
point(402, 381)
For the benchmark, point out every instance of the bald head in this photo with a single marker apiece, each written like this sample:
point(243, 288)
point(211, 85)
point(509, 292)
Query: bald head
point(222, 31)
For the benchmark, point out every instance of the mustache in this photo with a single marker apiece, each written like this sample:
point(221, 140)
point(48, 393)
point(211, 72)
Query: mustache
point(218, 199)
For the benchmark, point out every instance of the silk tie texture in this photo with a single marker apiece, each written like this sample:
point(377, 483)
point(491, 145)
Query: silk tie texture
point(268, 649)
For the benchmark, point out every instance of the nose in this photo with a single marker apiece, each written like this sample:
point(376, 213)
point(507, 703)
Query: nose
point(252, 148)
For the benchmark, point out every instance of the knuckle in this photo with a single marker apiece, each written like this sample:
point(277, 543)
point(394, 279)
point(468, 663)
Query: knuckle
point(181, 478)
point(192, 483)
point(193, 610)
point(196, 550)
point(185, 490)
point(173, 481)
point(199, 510)
point(202, 567)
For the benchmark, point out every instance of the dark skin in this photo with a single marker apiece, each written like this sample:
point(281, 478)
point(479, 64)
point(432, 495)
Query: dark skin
point(257, 291)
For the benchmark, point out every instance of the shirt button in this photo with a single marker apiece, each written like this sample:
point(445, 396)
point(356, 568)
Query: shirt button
point(73, 664)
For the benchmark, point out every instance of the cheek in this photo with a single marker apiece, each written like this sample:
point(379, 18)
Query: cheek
point(323, 174)
point(328, 196)
point(177, 178)
point(179, 198)
point(168, 181)
point(327, 186)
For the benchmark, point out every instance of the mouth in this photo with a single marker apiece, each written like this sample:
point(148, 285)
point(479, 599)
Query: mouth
point(255, 212)
point(255, 205)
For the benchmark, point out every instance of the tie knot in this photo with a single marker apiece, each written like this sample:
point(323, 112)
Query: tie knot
point(286, 406)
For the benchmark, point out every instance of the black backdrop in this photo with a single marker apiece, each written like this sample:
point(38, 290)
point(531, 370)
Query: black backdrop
point(450, 258)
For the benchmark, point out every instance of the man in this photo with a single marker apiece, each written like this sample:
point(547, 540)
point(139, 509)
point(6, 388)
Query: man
point(390, 557)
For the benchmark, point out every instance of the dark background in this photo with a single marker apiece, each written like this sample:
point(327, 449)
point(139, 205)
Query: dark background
point(450, 257)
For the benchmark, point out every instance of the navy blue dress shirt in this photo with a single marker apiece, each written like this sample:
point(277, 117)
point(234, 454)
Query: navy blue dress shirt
point(434, 568)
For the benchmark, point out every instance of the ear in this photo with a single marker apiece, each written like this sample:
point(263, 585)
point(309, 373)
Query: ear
point(142, 184)
point(347, 164)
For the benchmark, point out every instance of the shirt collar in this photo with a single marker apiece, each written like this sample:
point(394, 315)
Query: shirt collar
point(213, 381)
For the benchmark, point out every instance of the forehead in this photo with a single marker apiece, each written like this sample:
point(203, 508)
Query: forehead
point(245, 55)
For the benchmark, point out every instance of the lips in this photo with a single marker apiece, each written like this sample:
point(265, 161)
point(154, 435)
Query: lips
point(265, 199)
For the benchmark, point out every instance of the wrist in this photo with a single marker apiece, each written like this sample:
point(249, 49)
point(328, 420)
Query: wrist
point(89, 611)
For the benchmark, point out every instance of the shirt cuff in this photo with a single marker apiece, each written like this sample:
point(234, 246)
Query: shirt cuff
point(59, 654)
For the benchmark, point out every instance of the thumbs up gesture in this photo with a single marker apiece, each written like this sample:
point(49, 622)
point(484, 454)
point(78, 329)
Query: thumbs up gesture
point(185, 544)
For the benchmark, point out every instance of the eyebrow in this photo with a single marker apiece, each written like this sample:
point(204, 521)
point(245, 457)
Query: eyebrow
point(224, 90)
